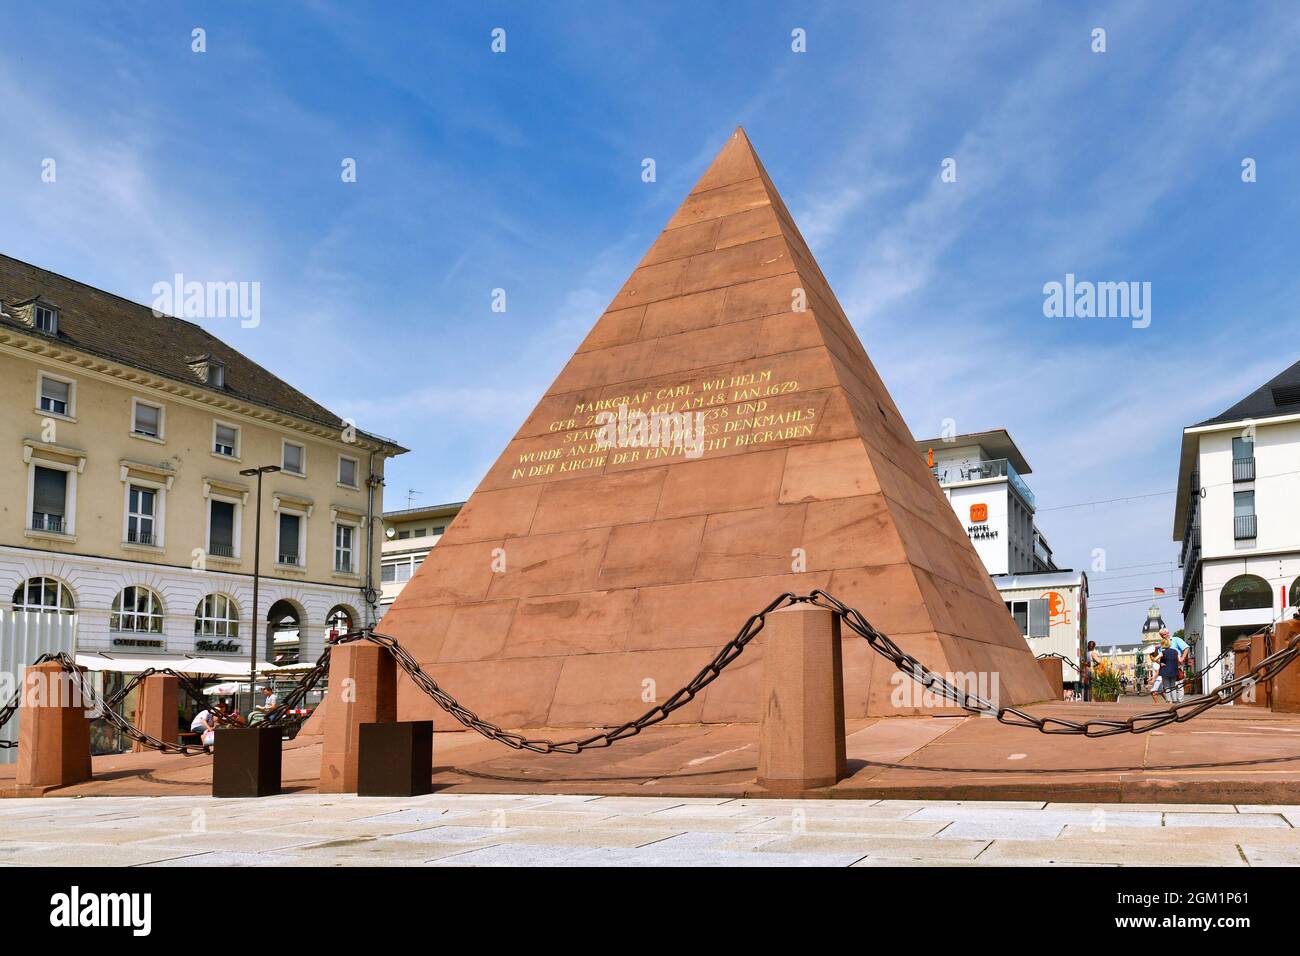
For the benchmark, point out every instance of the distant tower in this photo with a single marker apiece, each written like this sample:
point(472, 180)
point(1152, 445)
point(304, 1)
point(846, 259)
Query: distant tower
point(1152, 627)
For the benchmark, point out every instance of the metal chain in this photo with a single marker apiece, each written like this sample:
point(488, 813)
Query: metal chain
point(707, 675)
point(1228, 692)
point(1204, 670)
point(1043, 657)
point(103, 710)
point(8, 710)
point(1265, 670)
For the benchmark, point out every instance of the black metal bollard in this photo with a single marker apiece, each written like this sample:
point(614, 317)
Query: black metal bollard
point(246, 762)
point(395, 760)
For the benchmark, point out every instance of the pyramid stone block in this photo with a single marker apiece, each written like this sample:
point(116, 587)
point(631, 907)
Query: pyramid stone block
point(582, 581)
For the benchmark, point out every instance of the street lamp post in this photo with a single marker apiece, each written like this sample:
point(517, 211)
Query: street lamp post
point(257, 568)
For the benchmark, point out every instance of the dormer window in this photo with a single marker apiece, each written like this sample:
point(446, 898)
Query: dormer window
point(45, 319)
point(210, 370)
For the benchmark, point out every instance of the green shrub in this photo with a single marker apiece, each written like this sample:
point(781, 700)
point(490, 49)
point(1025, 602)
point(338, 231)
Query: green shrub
point(1105, 685)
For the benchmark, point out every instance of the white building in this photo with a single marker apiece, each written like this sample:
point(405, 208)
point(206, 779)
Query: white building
point(1051, 609)
point(409, 536)
point(1238, 516)
point(981, 475)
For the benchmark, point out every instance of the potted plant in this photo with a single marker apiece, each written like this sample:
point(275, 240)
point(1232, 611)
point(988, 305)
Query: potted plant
point(1105, 685)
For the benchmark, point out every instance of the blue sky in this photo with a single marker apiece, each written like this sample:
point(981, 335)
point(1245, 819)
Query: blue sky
point(522, 171)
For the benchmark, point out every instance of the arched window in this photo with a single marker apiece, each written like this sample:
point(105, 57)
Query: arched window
point(44, 595)
point(1245, 592)
point(136, 609)
point(339, 621)
point(216, 616)
point(284, 632)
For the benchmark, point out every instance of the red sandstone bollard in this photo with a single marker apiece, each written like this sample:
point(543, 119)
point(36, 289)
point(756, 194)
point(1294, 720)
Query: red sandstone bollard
point(1259, 651)
point(1241, 661)
point(156, 709)
point(1286, 685)
point(362, 690)
point(1054, 671)
point(801, 739)
point(54, 737)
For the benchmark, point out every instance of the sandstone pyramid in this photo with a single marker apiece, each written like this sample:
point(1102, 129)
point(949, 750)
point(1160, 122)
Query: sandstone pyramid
point(579, 582)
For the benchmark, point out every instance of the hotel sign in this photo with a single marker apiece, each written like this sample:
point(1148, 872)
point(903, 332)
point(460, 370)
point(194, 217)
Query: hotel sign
point(978, 529)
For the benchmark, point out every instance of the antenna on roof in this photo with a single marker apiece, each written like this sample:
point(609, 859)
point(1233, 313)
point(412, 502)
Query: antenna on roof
point(410, 497)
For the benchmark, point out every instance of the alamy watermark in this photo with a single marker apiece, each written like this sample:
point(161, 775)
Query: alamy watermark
point(1085, 299)
point(636, 429)
point(910, 690)
point(209, 300)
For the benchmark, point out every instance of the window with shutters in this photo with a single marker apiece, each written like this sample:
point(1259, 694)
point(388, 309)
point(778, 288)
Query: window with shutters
point(294, 460)
point(50, 500)
point(225, 440)
point(347, 472)
point(146, 419)
point(55, 395)
point(223, 541)
point(1039, 620)
point(289, 539)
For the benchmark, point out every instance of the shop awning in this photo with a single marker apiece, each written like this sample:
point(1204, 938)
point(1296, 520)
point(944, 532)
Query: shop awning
point(197, 666)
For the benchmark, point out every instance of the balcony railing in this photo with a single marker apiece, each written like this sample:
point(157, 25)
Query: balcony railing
point(1191, 573)
point(44, 522)
point(1191, 546)
point(978, 471)
point(289, 559)
point(1243, 469)
point(139, 537)
point(1244, 527)
point(219, 550)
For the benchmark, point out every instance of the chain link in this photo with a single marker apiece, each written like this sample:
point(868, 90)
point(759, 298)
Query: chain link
point(106, 709)
point(851, 617)
point(1180, 712)
point(1061, 657)
point(707, 675)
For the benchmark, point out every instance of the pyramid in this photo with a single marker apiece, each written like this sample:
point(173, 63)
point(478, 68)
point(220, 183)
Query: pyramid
point(581, 582)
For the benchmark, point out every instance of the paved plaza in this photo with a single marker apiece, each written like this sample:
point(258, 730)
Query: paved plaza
point(1233, 755)
point(586, 830)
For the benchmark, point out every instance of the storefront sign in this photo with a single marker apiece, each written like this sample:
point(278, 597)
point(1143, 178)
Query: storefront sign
point(979, 531)
point(217, 647)
point(133, 642)
point(979, 513)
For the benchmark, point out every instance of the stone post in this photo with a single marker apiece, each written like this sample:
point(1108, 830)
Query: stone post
point(1054, 670)
point(156, 709)
point(1259, 651)
point(54, 736)
point(801, 738)
point(362, 690)
point(1286, 685)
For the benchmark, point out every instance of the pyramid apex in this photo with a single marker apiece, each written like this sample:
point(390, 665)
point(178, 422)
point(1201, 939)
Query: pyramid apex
point(736, 161)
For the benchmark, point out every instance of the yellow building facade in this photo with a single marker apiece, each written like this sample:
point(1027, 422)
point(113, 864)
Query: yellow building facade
point(122, 440)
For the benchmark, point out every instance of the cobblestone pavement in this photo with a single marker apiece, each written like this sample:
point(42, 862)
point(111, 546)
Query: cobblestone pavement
point(524, 830)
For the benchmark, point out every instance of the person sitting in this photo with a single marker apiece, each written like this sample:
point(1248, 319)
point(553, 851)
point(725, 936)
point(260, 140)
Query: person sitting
point(205, 723)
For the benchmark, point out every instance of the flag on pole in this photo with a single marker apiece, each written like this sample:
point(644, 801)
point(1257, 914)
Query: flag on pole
point(1158, 592)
